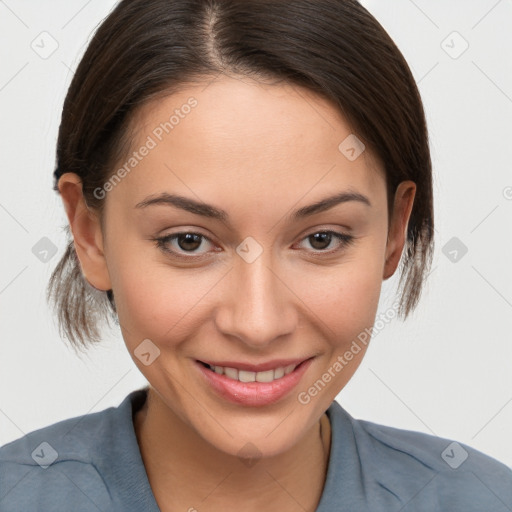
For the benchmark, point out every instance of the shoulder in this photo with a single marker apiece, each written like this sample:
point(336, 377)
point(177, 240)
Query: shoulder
point(66, 463)
point(59, 456)
point(73, 436)
point(426, 472)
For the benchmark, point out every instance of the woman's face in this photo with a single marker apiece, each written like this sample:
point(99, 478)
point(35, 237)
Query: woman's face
point(260, 285)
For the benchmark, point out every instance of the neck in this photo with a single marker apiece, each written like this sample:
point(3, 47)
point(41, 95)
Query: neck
point(184, 470)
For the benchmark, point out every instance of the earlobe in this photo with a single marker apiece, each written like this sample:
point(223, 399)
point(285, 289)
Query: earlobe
point(86, 230)
point(397, 233)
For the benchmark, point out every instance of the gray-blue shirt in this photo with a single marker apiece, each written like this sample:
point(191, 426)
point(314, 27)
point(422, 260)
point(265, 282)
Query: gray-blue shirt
point(93, 462)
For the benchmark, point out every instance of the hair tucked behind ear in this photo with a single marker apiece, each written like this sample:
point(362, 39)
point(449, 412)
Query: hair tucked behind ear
point(146, 48)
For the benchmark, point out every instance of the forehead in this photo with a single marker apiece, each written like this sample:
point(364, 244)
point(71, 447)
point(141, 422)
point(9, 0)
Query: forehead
point(237, 133)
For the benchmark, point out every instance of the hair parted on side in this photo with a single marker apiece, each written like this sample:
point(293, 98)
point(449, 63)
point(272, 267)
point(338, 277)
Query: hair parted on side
point(147, 48)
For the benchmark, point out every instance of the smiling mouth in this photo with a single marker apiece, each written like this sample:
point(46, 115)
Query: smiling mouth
point(245, 376)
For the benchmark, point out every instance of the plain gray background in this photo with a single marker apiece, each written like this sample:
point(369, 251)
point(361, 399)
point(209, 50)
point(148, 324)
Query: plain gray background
point(446, 370)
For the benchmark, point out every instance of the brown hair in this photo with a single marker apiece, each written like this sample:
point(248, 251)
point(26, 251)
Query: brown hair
point(145, 48)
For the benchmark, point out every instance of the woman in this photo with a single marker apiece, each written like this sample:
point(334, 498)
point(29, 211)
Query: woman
point(239, 178)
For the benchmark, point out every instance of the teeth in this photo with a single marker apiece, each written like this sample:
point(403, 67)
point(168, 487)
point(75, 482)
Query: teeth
point(245, 376)
point(232, 373)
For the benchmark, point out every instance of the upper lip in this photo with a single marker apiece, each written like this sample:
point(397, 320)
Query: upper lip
point(259, 367)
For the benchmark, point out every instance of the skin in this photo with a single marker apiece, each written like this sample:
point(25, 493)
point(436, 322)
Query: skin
point(259, 152)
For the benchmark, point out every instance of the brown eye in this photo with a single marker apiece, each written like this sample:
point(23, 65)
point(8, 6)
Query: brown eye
point(183, 243)
point(188, 241)
point(321, 240)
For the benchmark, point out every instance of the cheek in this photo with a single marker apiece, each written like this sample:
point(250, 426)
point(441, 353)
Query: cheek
point(345, 297)
point(156, 300)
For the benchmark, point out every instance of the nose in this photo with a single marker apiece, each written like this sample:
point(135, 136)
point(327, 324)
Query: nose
point(257, 304)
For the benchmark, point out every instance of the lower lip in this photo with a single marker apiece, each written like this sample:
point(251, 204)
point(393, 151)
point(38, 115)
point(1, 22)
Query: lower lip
point(254, 393)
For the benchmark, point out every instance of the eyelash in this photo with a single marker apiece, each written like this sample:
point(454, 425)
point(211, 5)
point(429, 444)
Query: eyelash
point(161, 243)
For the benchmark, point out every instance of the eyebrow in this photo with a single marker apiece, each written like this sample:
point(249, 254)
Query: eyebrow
point(210, 211)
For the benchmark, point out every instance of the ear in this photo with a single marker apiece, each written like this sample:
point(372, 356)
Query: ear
point(397, 232)
point(86, 229)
